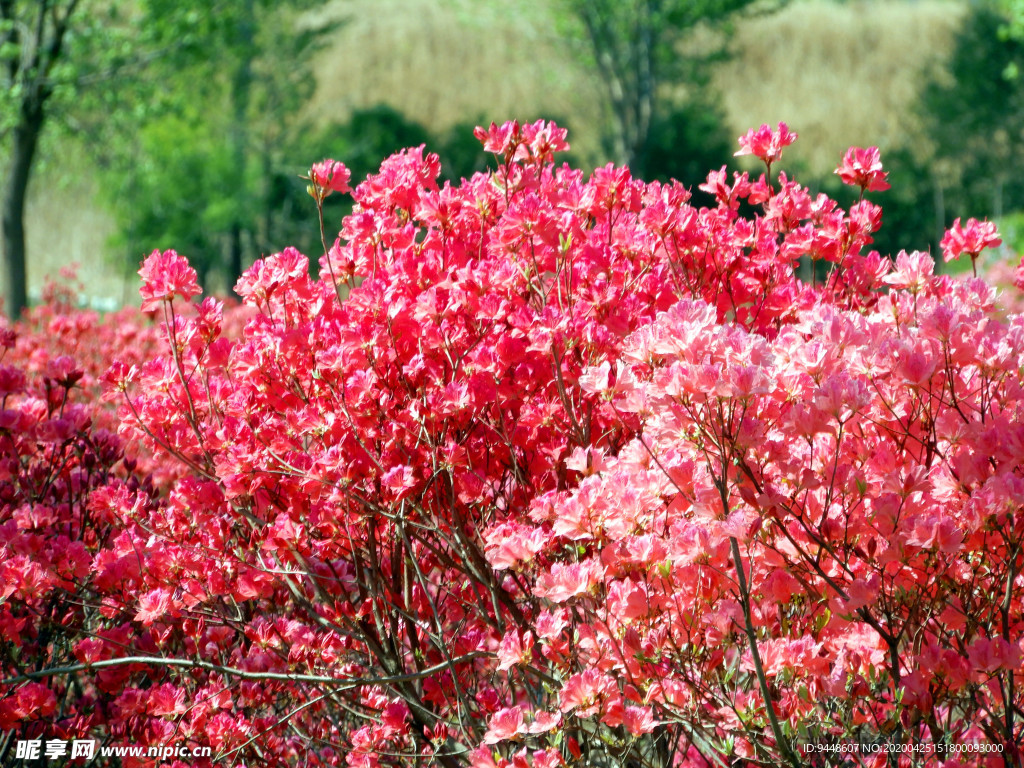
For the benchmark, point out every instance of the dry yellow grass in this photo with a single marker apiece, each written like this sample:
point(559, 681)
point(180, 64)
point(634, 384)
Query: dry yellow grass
point(840, 74)
point(443, 63)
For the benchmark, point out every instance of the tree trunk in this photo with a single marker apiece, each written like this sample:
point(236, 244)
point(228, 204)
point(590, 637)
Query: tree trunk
point(646, 82)
point(240, 92)
point(626, 62)
point(939, 199)
point(25, 142)
point(31, 68)
point(234, 255)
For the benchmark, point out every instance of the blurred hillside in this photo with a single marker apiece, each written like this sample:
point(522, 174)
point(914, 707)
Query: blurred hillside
point(839, 73)
point(442, 64)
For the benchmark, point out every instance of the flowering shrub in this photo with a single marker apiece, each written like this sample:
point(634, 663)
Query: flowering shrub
point(57, 327)
point(579, 473)
point(52, 458)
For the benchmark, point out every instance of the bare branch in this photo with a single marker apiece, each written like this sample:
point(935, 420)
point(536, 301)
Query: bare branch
point(156, 661)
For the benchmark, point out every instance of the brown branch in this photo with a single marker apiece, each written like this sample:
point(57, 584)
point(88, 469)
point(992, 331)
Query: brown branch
point(343, 683)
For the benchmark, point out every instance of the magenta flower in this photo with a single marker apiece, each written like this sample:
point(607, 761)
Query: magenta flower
point(971, 238)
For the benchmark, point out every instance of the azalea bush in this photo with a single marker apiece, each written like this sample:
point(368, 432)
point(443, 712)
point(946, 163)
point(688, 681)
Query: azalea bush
point(540, 469)
point(53, 458)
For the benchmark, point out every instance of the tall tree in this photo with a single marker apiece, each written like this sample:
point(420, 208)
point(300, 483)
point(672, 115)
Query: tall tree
point(33, 45)
point(634, 45)
point(64, 64)
point(83, 62)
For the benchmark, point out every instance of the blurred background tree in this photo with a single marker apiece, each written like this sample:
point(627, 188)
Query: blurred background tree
point(636, 49)
point(974, 113)
point(50, 52)
point(199, 174)
point(968, 159)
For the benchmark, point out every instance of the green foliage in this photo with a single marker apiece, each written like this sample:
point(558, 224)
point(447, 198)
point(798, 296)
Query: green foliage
point(462, 154)
point(182, 194)
point(202, 170)
point(54, 52)
point(182, 188)
point(1012, 29)
point(975, 116)
point(1011, 228)
point(688, 142)
point(360, 142)
point(95, 49)
point(909, 217)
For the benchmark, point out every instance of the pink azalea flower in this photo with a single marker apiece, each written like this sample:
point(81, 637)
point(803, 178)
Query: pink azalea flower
point(165, 275)
point(863, 168)
point(153, 605)
point(504, 724)
point(639, 720)
point(765, 143)
point(913, 271)
point(971, 238)
point(330, 176)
